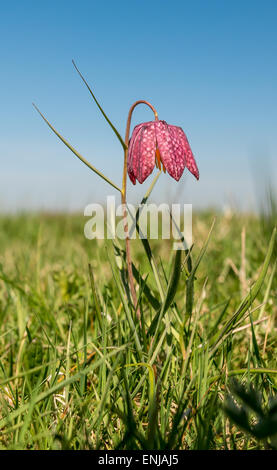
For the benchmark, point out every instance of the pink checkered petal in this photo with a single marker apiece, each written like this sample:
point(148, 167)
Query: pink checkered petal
point(171, 150)
point(131, 176)
point(130, 153)
point(179, 152)
point(141, 155)
point(190, 161)
point(133, 138)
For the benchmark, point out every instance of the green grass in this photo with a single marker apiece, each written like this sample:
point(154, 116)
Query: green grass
point(78, 370)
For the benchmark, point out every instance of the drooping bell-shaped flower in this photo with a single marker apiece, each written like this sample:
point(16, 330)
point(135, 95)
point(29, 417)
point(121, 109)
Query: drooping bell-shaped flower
point(161, 143)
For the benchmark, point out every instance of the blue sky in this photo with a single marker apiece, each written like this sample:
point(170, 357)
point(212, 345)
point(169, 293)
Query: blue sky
point(208, 66)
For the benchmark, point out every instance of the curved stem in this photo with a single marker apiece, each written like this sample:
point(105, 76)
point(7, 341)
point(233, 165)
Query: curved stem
point(127, 133)
point(123, 200)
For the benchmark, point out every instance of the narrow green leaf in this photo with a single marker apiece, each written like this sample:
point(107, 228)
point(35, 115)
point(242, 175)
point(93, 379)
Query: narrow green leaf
point(255, 344)
point(143, 240)
point(126, 308)
point(169, 297)
point(232, 373)
point(146, 289)
point(191, 278)
point(174, 280)
point(77, 153)
point(95, 296)
point(101, 109)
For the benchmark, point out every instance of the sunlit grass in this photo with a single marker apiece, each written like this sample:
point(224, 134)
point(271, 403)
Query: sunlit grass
point(78, 371)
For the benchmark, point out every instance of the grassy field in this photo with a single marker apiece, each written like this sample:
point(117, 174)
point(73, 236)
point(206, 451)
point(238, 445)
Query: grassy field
point(79, 371)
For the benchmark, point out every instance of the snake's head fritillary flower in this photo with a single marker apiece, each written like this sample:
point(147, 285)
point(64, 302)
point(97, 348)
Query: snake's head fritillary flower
point(158, 142)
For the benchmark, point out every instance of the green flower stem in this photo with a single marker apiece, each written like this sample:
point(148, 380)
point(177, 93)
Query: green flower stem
point(123, 201)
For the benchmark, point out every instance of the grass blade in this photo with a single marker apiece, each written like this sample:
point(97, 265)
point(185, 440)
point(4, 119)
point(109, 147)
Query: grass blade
point(249, 299)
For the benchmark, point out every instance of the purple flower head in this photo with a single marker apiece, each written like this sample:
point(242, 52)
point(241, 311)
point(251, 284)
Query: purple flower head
point(158, 142)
